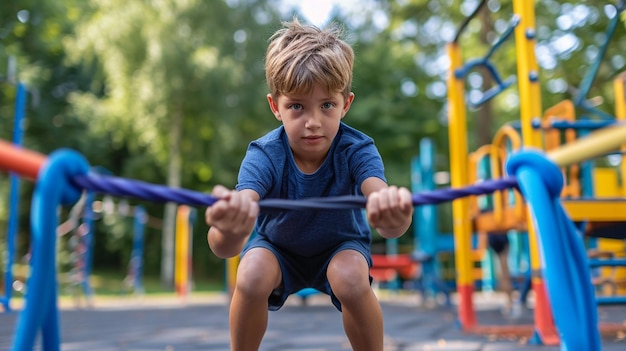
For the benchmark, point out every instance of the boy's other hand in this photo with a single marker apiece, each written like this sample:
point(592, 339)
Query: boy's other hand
point(390, 211)
point(234, 213)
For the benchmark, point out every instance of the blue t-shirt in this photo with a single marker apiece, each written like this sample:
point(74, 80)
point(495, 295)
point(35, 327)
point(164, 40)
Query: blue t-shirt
point(270, 169)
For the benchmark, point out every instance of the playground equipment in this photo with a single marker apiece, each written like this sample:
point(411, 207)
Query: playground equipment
point(466, 216)
point(595, 194)
point(502, 213)
point(434, 249)
point(79, 228)
point(530, 106)
point(422, 265)
point(63, 175)
point(134, 278)
point(18, 123)
point(391, 268)
point(185, 218)
point(596, 203)
point(429, 242)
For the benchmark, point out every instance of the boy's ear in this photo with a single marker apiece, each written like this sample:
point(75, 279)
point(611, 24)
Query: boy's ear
point(273, 106)
point(347, 104)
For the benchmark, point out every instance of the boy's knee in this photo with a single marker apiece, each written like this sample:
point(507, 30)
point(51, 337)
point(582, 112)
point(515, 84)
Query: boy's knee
point(351, 295)
point(258, 274)
point(251, 287)
point(350, 282)
point(350, 289)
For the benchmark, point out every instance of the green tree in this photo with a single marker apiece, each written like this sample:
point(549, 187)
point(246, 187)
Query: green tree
point(176, 79)
point(31, 34)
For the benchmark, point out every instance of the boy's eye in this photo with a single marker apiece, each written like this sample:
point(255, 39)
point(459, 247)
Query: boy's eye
point(296, 107)
point(328, 105)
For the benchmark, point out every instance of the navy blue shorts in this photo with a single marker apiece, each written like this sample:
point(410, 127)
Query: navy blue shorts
point(300, 272)
point(498, 241)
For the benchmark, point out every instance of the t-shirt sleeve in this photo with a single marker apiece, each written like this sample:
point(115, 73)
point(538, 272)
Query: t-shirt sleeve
point(366, 162)
point(256, 171)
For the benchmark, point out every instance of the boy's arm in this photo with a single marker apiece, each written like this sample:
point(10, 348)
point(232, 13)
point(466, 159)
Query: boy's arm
point(231, 220)
point(389, 208)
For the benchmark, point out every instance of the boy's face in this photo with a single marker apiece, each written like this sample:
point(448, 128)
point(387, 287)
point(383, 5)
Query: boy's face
point(311, 122)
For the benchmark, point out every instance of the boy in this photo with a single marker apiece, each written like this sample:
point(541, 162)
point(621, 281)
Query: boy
point(313, 154)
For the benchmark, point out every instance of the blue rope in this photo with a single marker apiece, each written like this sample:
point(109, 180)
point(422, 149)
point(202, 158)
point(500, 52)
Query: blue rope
point(121, 187)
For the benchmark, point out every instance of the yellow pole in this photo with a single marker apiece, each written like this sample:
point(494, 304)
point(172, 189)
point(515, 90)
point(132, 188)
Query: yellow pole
point(181, 272)
point(595, 144)
point(462, 226)
point(231, 273)
point(527, 71)
point(619, 87)
point(530, 108)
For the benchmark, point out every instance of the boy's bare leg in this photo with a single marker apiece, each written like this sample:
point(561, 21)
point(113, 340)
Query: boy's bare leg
point(348, 275)
point(258, 274)
point(505, 279)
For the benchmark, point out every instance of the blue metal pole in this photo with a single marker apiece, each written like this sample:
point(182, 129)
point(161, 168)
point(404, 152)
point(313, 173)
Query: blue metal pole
point(136, 260)
point(88, 241)
point(18, 132)
point(425, 217)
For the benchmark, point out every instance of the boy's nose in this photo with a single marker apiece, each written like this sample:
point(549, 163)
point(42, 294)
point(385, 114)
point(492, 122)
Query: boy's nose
point(313, 120)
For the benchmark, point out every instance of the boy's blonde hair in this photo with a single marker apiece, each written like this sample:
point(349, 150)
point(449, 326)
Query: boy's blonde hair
point(300, 56)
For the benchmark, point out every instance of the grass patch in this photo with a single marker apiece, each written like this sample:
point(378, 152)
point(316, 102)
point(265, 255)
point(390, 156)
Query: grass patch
point(107, 283)
point(111, 284)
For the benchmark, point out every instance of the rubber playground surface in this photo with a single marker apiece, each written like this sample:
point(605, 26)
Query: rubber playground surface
point(201, 323)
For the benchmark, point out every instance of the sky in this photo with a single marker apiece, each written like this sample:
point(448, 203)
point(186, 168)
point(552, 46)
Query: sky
point(317, 12)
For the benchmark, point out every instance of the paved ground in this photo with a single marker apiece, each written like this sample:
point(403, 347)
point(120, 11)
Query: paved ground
point(202, 324)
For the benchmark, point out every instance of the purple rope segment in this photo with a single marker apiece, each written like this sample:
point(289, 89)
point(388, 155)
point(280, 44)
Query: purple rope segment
point(448, 194)
point(121, 187)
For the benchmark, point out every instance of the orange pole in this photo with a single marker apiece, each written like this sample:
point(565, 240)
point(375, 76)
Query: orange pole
point(23, 162)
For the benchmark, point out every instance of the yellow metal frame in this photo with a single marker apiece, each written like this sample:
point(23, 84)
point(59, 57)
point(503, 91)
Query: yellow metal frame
point(530, 95)
point(462, 227)
point(503, 217)
point(562, 110)
point(498, 158)
point(619, 87)
point(530, 98)
point(530, 108)
point(597, 143)
point(596, 210)
point(530, 104)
